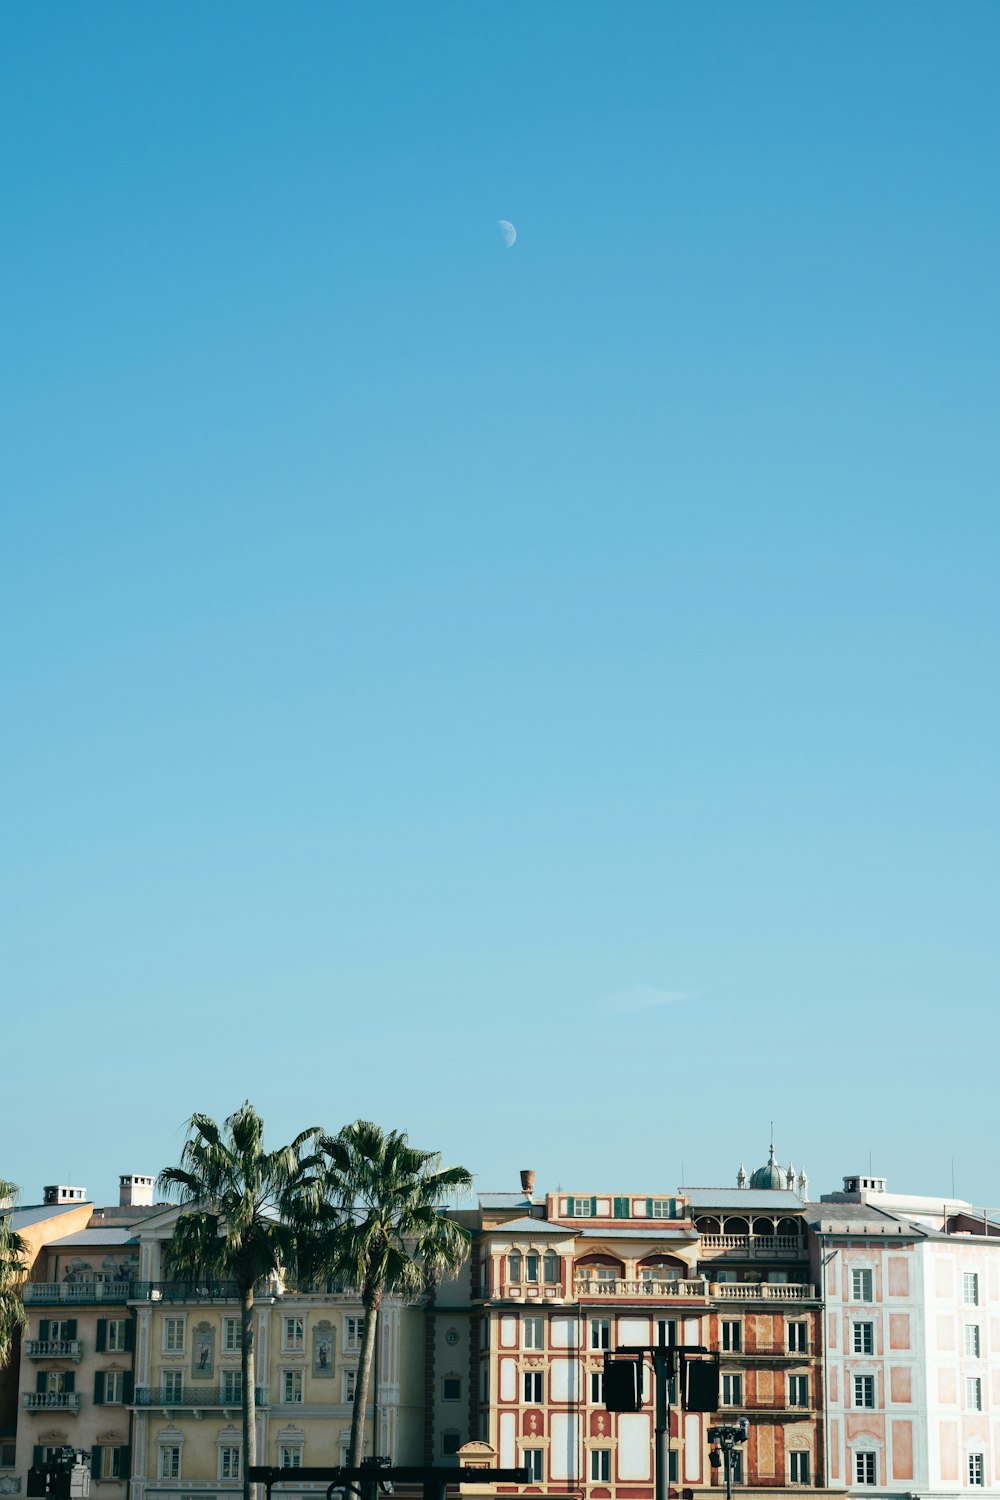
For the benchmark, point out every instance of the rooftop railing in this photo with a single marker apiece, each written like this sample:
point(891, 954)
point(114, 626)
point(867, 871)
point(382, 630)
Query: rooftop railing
point(76, 1293)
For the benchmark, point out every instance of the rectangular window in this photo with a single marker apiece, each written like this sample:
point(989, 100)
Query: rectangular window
point(798, 1468)
point(552, 1269)
point(600, 1465)
point(354, 1329)
point(597, 1387)
point(732, 1335)
point(600, 1333)
point(533, 1460)
point(972, 1340)
point(173, 1335)
point(291, 1386)
point(973, 1393)
point(732, 1390)
point(531, 1268)
point(514, 1266)
point(451, 1388)
point(173, 1385)
point(975, 1468)
point(970, 1288)
point(863, 1338)
point(114, 1387)
point(291, 1457)
point(861, 1285)
point(7, 1455)
point(534, 1333)
point(293, 1335)
point(350, 1379)
point(170, 1461)
point(229, 1463)
point(533, 1388)
point(232, 1335)
point(865, 1468)
point(232, 1386)
point(661, 1208)
point(451, 1441)
point(581, 1208)
point(111, 1464)
point(798, 1338)
point(864, 1391)
point(798, 1390)
point(114, 1335)
point(736, 1465)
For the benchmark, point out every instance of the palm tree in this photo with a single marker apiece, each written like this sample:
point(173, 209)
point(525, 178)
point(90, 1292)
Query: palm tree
point(13, 1267)
point(390, 1234)
point(239, 1227)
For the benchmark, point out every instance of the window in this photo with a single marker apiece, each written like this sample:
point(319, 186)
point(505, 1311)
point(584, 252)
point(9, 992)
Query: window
point(293, 1335)
point(451, 1441)
point(290, 1457)
point(173, 1385)
point(861, 1286)
point(170, 1461)
point(600, 1465)
point(7, 1452)
point(661, 1208)
point(597, 1387)
point(533, 1387)
point(229, 1463)
point(354, 1329)
point(864, 1391)
point(532, 1459)
point(865, 1468)
point(863, 1338)
point(114, 1387)
point(232, 1386)
point(173, 1335)
point(581, 1208)
point(514, 1266)
point(451, 1388)
point(732, 1336)
point(970, 1288)
point(798, 1468)
point(736, 1465)
point(972, 1340)
point(777, 1278)
point(112, 1463)
point(350, 1380)
point(798, 1390)
point(975, 1468)
point(531, 1268)
point(798, 1338)
point(732, 1390)
point(534, 1333)
point(973, 1393)
point(291, 1386)
point(551, 1268)
point(232, 1335)
point(114, 1335)
point(600, 1333)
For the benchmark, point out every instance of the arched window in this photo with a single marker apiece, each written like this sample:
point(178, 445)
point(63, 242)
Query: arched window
point(514, 1266)
point(551, 1268)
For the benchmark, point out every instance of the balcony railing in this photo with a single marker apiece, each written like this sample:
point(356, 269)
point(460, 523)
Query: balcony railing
point(76, 1292)
point(646, 1287)
point(195, 1396)
point(196, 1291)
point(752, 1244)
point(52, 1401)
point(763, 1291)
point(54, 1348)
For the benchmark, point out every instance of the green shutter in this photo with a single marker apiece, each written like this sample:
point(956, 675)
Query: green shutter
point(43, 1329)
point(649, 1208)
point(593, 1208)
point(102, 1335)
point(124, 1463)
point(127, 1388)
point(571, 1206)
point(129, 1335)
point(69, 1381)
point(95, 1463)
point(37, 1456)
point(623, 1208)
point(71, 1328)
point(99, 1388)
point(40, 1383)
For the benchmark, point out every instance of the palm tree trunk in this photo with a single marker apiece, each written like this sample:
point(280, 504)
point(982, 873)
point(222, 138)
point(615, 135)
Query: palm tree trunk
point(372, 1302)
point(248, 1377)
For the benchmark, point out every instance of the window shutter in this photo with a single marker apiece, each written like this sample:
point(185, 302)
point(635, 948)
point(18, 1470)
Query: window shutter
point(649, 1208)
point(102, 1335)
point(127, 1388)
point(623, 1208)
point(95, 1463)
point(129, 1335)
point(124, 1463)
point(69, 1381)
point(593, 1207)
point(43, 1329)
point(41, 1383)
point(71, 1328)
point(37, 1456)
point(571, 1206)
point(99, 1388)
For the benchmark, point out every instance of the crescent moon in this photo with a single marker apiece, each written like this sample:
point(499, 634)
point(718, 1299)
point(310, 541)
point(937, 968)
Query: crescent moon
point(508, 231)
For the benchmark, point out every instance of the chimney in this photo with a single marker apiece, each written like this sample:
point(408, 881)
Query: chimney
point(528, 1181)
point(134, 1190)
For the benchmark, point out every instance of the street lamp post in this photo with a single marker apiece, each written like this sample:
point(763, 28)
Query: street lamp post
point(727, 1438)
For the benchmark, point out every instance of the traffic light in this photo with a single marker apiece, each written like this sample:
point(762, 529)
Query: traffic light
point(622, 1384)
point(38, 1483)
point(701, 1384)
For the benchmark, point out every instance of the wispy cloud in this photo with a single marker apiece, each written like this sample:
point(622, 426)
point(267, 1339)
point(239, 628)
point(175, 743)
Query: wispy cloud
point(644, 997)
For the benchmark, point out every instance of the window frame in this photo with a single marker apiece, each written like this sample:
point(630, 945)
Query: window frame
point(976, 1471)
point(600, 1333)
point(865, 1459)
point(798, 1387)
point(865, 1331)
point(862, 1277)
point(227, 1453)
point(727, 1328)
point(799, 1458)
point(170, 1326)
point(729, 1383)
point(600, 1459)
point(533, 1387)
point(970, 1283)
point(168, 1468)
point(293, 1333)
point(532, 1324)
point(973, 1393)
point(797, 1337)
point(288, 1382)
point(976, 1340)
point(533, 1459)
point(863, 1386)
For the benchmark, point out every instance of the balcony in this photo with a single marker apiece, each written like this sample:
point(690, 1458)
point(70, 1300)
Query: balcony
point(52, 1401)
point(752, 1246)
point(197, 1291)
point(763, 1291)
point(194, 1398)
point(646, 1287)
point(54, 1349)
point(76, 1293)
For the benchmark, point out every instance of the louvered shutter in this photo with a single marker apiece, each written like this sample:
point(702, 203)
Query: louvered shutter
point(99, 1388)
point(95, 1463)
point(102, 1335)
point(129, 1335)
point(41, 1383)
point(623, 1208)
point(69, 1381)
point(70, 1328)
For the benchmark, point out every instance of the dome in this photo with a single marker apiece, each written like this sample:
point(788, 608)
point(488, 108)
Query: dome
point(770, 1176)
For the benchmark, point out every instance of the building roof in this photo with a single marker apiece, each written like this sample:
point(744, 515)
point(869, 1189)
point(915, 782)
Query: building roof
point(776, 1199)
point(857, 1218)
point(85, 1238)
point(530, 1226)
point(37, 1213)
point(504, 1200)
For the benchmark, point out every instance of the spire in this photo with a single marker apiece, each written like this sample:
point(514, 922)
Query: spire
point(741, 1176)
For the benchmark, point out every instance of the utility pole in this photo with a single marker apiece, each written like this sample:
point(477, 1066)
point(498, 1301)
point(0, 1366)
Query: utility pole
point(623, 1389)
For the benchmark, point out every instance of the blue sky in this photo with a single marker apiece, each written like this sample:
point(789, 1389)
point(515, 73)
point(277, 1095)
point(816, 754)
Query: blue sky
point(546, 698)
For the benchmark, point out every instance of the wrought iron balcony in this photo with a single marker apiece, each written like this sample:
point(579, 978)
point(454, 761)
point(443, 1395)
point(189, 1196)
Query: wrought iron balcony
point(42, 1293)
point(194, 1397)
point(54, 1349)
point(52, 1401)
